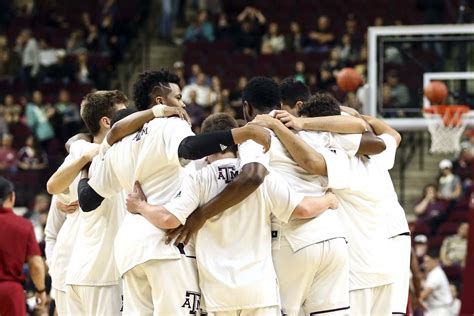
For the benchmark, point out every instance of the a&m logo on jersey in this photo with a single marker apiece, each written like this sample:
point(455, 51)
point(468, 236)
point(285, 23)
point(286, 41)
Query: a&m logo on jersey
point(192, 302)
point(227, 173)
point(141, 133)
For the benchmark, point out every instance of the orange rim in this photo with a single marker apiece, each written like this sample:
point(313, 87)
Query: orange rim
point(451, 114)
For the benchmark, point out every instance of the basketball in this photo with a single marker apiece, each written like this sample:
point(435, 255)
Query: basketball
point(436, 92)
point(348, 80)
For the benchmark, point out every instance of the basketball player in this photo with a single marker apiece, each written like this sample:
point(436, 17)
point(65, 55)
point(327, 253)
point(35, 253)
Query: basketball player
point(368, 197)
point(159, 279)
point(236, 274)
point(317, 247)
point(61, 231)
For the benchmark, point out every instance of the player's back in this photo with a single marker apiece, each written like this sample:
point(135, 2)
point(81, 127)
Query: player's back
point(233, 249)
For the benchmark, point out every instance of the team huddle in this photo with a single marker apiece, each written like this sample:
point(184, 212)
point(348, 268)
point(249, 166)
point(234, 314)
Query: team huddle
point(293, 213)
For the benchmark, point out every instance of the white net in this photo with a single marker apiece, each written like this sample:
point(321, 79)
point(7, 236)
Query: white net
point(446, 131)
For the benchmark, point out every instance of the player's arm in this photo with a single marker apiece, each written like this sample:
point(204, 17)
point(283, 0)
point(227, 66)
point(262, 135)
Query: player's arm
point(311, 207)
point(54, 222)
point(380, 127)
point(156, 214)
point(68, 171)
point(342, 124)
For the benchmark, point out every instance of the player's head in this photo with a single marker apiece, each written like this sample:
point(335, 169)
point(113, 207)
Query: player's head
point(320, 104)
point(293, 94)
point(260, 95)
point(7, 193)
point(121, 115)
point(220, 122)
point(97, 108)
point(431, 259)
point(157, 87)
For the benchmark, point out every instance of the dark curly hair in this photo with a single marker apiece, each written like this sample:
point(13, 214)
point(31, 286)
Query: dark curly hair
point(293, 91)
point(151, 84)
point(96, 105)
point(262, 93)
point(320, 104)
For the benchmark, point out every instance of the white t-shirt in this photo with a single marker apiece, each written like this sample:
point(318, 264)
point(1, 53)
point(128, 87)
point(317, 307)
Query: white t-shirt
point(233, 249)
point(149, 156)
point(66, 238)
point(396, 219)
point(364, 218)
point(441, 295)
point(92, 262)
point(301, 233)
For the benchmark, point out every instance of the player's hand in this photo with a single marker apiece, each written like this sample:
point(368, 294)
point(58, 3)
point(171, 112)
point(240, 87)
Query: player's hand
point(260, 135)
point(289, 120)
point(67, 208)
point(41, 299)
point(350, 111)
point(332, 200)
point(175, 111)
point(264, 120)
point(183, 233)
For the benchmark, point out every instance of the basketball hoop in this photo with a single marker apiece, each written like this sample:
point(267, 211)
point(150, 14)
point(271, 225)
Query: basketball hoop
point(446, 126)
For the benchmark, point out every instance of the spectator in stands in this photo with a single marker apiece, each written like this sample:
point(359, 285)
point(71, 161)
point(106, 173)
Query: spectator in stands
point(295, 41)
point(11, 112)
point(322, 39)
point(27, 47)
point(397, 94)
point(195, 111)
point(436, 293)
point(421, 247)
point(195, 72)
point(462, 167)
point(455, 307)
point(273, 42)
point(469, 144)
point(449, 184)
point(111, 38)
point(334, 63)
point(17, 246)
point(454, 248)
point(37, 214)
point(83, 71)
point(224, 29)
point(349, 50)
point(247, 39)
point(49, 59)
point(202, 90)
point(169, 9)
point(38, 115)
point(300, 72)
point(178, 67)
point(378, 21)
point(236, 94)
point(351, 27)
point(8, 155)
point(216, 90)
point(75, 42)
point(110, 9)
point(253, 16)
point(69, 112)
point(430, 209)
point(9, 61)
point(93, 42)
point(200, 30)
point(31, 156)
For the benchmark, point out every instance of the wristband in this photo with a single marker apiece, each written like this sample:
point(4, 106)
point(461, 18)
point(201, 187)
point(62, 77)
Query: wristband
point(159, 110)
point(41, 291)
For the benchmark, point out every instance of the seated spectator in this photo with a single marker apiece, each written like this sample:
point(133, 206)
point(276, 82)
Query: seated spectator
point(455, 307)
point(93, 39)
point(300, 72)
point(430, 209)
point(396, 93)
point(31, 156)
point(10, 62)
point(253, 16)
point(38, 115)
point(8, 155)
point(349, 50)
point(111, 38)
point(334, 63)
point(248, 39)
point(273, 42)
point(200, 30)
point(37, 215)
point(27, 47)
point(216, 90)
point(83, 71)
point(224, 29)
point(436, 293)
point(76, 42)
point(462, 167)
point(50, 59)
point(351, 28)
point(203, 92)
point(236, 94)
point(322, 39)
point(195, 71)
point(295, 41)
point(449, 184)
point(454, 248)
point(178, 67)
point(195, 111)
point(421, 247)
point(469, 143)
point(10, 111)
point(69, 112)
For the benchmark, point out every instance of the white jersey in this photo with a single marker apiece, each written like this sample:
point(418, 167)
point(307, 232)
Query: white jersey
point(441, 295)
point(304, 232)
point(66, 237)
point(364, 220)
point(92, 262)
point(233, 249)
point(396, 219)
point(149, 156)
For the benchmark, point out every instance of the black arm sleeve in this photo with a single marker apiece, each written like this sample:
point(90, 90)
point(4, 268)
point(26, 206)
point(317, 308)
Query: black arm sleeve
point(89, 200)
point(200, 146)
